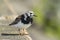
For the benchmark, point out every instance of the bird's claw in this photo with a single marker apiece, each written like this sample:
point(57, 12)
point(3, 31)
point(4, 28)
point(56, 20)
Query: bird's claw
point(23, 32)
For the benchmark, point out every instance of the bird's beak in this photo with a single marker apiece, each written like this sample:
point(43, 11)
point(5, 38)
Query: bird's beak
point(35, 15)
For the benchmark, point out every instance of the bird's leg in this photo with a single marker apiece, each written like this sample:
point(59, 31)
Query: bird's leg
point(20, 31)
point(25, 31)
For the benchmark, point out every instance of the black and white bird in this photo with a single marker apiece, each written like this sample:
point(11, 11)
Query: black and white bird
point(23, 21)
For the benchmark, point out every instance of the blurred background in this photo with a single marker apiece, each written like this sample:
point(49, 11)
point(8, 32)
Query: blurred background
point(46, 25)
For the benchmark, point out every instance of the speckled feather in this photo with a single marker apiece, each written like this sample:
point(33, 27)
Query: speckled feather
point(21, 18)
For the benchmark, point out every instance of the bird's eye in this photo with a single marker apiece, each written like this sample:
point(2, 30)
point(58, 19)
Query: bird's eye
point(30, 13)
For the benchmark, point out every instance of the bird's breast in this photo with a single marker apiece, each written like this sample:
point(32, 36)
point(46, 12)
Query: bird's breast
point(27, 21)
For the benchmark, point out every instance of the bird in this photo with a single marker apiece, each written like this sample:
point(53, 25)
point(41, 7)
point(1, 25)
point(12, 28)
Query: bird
point(23, 22)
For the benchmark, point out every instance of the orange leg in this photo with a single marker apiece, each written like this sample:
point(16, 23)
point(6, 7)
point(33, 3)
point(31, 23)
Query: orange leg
point(23, 31)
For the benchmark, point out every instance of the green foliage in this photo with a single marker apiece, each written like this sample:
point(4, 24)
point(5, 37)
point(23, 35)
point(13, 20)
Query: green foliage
point(52, 28)
point(39, 14)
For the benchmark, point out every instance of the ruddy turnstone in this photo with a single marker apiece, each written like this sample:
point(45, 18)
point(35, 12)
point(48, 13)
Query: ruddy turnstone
point(23, 22)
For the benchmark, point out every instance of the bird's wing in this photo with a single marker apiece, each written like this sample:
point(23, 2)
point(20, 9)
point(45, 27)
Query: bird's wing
point(16, 20)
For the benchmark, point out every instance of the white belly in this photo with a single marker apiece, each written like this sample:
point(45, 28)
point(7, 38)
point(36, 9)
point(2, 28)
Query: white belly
point(21, 25)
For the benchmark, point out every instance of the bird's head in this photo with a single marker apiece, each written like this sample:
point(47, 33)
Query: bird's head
point(30, 14)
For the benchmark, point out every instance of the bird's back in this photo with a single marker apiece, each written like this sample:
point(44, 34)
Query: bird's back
point(21, 18)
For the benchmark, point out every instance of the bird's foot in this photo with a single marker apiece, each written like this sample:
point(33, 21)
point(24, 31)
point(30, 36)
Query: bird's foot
point(23, 32)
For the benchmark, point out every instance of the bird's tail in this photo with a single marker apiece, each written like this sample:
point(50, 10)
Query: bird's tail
point(10, 24)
